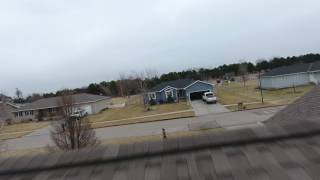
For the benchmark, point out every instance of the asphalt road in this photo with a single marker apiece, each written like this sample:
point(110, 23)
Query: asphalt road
point(41, 137)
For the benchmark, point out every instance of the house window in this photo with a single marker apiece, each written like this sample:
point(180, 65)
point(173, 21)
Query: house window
point(31, 112)
point(20, 114)
point(26, 113)
point(152, 96)
point(169, 93)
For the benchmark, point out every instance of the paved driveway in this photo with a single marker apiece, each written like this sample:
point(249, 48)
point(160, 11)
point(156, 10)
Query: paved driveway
point(201, 108)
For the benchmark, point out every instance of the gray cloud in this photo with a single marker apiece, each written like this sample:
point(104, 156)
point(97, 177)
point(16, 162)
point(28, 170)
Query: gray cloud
point(47, 45)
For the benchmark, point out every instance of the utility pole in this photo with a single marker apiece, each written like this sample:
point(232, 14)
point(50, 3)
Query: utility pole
point(260, 87)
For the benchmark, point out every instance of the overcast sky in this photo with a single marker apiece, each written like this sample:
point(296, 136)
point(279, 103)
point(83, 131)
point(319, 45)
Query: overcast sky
point(46, 45)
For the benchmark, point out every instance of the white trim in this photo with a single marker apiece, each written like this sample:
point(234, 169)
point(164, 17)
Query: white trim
point(166, 88)
point(197, 82)
point(314, 71)
point(171, 91)
point(150, 95)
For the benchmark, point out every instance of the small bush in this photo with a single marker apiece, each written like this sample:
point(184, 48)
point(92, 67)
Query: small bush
point(153, 102)
point(8, 121)
point(170, 99)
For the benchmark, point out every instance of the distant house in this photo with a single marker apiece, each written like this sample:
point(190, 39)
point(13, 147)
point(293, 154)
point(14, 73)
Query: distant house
point(294, 75)
point(6, 109)
point(179, 89)
point(50, 108)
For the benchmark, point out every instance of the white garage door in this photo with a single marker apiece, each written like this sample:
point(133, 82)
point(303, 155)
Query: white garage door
point(87, 109)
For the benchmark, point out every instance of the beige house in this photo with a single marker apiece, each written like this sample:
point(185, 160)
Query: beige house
point(50, 108)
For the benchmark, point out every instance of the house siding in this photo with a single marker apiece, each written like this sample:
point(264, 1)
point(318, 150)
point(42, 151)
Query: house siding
point(315, 77)
point(181, 93)
point(278, 82)
point(90, 108)
point(100, 105)
point(162, 95)
point(197, 87)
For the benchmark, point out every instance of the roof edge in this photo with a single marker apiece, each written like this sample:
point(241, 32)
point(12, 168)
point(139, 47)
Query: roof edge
point(229, 138)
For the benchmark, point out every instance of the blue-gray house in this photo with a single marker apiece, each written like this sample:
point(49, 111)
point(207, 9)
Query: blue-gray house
point(179, 89)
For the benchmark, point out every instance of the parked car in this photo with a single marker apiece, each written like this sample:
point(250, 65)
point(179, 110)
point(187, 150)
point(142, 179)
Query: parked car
point(78, 114)
point(209, 97)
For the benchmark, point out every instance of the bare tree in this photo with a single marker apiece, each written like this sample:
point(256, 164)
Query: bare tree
point(18, 93)
point(151, 73)
point(122, 84)
point(72, 132)
point(243, 72)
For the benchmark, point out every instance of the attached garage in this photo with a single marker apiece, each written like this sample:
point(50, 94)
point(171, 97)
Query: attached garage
point(195, 91)
point(197, 95)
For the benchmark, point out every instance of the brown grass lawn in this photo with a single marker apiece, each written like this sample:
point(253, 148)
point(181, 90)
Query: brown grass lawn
point(20, 129)
point(119, 100)
point(143, 120)
point(236, 92)
point(137, 110)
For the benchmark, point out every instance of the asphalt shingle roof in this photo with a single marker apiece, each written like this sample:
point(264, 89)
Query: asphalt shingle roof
point(54, 101)
point(179, 84)
point(278, 150)
point(296, 68)
point(5, 111)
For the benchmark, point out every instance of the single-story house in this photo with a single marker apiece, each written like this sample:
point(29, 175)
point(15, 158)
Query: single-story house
point(289, 76)
point(179, 89)
point(50, 108)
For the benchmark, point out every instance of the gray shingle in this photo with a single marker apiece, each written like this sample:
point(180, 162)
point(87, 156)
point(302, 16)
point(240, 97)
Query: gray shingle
point(179, 84)
point(56, 101)
point(296, 68)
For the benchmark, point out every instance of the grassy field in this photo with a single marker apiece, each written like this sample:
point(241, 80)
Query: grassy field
point(136, 113)
point(20, 129)
point(152, 118)
point(119, 100)
point(236, 92)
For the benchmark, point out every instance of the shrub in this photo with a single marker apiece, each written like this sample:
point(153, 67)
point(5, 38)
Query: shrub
point(170, 99)
point(153, 102)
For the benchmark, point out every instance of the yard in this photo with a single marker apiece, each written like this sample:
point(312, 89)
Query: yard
point(135, 112)
point(20, 129)
point(235, 92)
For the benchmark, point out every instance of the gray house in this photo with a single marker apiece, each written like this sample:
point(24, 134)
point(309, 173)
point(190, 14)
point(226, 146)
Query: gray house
point(179, 89)
point(294, 75)
point(50, 108)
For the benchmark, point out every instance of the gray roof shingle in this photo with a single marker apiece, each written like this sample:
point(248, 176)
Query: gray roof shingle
point(54, 101)
point(287, 147)
point(5, 111)
point(179, 84)
point(292, 69)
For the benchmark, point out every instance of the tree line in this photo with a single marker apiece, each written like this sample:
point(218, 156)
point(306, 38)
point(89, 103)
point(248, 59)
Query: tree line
point(138, 82)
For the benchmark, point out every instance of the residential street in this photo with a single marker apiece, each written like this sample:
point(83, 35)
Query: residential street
point(41, 137)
